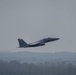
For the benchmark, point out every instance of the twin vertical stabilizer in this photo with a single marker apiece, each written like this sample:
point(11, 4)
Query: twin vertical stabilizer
point(22, 43)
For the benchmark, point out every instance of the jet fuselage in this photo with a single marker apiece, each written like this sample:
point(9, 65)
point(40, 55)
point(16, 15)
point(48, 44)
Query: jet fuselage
point(23, 44)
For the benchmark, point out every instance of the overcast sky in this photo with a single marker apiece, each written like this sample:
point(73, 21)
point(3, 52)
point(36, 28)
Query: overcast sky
point(33, 20)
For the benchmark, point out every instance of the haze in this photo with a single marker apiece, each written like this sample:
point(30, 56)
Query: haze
point(33, 20)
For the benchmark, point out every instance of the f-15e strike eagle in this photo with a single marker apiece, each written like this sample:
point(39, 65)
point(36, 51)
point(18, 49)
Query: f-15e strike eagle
point(23, 44)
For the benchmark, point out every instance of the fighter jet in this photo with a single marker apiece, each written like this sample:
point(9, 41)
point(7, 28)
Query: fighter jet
point(23, 44)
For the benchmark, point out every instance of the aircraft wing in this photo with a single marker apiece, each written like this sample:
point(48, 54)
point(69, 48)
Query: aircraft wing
point(37, 43)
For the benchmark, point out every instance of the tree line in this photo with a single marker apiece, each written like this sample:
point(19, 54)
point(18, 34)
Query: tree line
point(17, 68)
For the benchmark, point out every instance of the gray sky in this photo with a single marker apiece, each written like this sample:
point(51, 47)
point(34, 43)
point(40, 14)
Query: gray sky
point(33, 20)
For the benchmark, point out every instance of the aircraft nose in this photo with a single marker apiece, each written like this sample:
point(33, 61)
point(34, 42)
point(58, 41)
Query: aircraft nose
point(56, 38)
